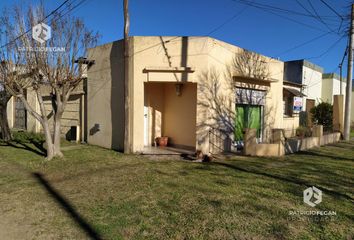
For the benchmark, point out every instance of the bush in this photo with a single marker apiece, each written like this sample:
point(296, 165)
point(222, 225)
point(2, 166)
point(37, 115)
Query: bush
point(28, 137)
point(303, 132)
point(322, 114)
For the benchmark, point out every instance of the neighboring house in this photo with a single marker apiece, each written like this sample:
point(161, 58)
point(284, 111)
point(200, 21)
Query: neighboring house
point(331, 86)
point(72, 119)
point(179, 88)
point(293, 99)
point(308, 74)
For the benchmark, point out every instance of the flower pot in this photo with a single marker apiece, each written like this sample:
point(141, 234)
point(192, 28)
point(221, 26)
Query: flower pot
point(162, 141)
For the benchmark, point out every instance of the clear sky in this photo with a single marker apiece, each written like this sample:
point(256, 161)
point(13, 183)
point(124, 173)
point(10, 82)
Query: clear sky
point(269, 32)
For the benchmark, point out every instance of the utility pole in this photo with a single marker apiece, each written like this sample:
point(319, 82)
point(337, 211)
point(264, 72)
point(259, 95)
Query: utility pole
point(340, 79)
point(341, 70)
point(348, 95)
point(127, 118)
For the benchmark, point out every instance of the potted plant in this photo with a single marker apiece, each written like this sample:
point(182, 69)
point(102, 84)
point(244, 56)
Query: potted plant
point(162, 141)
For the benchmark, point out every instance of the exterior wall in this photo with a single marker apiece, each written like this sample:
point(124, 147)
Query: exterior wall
point(180, 115)
point(155, 101)
point(220, 57)
point(10, 112)
point(71, 116)
point(331, 86)
point(105, 99)
point(173, 60)
point(157, 52)
point(290, 124)
point(313, 81)
point(306, 73)
point(171, 115)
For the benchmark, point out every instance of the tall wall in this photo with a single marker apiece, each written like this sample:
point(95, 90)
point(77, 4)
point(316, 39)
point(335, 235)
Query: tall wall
point(180, 115)
point(312, 78)
point(167, 61)
point(105, 96)
point(164, 53)
point(331, 86)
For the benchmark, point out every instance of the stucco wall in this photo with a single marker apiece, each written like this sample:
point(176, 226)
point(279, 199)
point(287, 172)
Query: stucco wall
point(105, 98)
point(180, 115)
point(313, 81)
point(290, 125)
point(155, 101)
point(330, 87)
point(162, 60)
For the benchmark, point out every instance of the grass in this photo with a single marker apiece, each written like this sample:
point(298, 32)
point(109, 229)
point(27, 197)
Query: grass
point(133, 197)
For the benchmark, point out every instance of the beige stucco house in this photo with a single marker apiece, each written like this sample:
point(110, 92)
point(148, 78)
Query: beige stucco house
point(179, 87)
point(72, 120)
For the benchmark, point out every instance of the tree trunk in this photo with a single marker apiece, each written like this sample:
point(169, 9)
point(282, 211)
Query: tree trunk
point(48, 139)
point(4, 124)
point(57, 135)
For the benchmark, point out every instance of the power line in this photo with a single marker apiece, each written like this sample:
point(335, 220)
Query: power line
point(327, 50)
point(303, 44)
point(228, 20)
point(317, 16)
point(333, 10)
point(50, 14)
point(272, 10)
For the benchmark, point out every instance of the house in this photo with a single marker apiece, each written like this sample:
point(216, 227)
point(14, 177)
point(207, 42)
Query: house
point(310, 76)
point(72, 119)
point(331, 86)
point(191, 89)
point(293, 98)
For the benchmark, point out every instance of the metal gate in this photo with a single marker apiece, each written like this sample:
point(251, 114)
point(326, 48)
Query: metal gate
point(20, 115)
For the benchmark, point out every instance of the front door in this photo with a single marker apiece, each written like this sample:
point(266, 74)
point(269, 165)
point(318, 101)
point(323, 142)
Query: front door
point(146, 126)
point(248, 116)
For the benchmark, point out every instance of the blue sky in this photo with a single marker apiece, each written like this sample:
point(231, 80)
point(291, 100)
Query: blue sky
point(227, 20)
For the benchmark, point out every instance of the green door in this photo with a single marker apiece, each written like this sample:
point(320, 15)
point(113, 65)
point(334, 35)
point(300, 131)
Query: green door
point(247, 116)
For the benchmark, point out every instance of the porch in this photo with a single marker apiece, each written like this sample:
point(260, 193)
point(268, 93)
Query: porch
point(170, 111)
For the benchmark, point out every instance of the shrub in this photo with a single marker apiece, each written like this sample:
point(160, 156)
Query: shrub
point(303, 132)
point(28, 137)
point(322, 114)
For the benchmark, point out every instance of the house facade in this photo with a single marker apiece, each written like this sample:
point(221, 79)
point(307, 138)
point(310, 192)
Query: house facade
point(310, 76)
point(72, 120)
point(185, 88)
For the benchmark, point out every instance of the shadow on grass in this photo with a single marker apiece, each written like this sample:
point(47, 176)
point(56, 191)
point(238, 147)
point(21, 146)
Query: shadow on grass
point(65, 204)
point(285, 179)
point(316, 154)
point(20, 145)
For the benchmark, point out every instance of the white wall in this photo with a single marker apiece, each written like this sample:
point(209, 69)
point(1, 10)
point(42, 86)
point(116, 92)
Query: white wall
point(313, 81)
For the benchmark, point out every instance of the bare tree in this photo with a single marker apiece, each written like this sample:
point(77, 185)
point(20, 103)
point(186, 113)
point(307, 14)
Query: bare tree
point(49, 65)
point(4, 125)
point(5, 59)
point(219, 92)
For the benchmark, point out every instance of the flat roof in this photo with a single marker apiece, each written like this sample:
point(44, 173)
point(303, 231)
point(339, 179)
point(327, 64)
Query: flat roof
point(308, 64)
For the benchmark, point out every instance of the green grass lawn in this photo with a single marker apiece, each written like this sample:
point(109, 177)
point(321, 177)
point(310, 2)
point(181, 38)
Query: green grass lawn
point(103, 194)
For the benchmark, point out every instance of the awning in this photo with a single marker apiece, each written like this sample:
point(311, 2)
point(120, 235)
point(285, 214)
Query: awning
point(294, 92)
